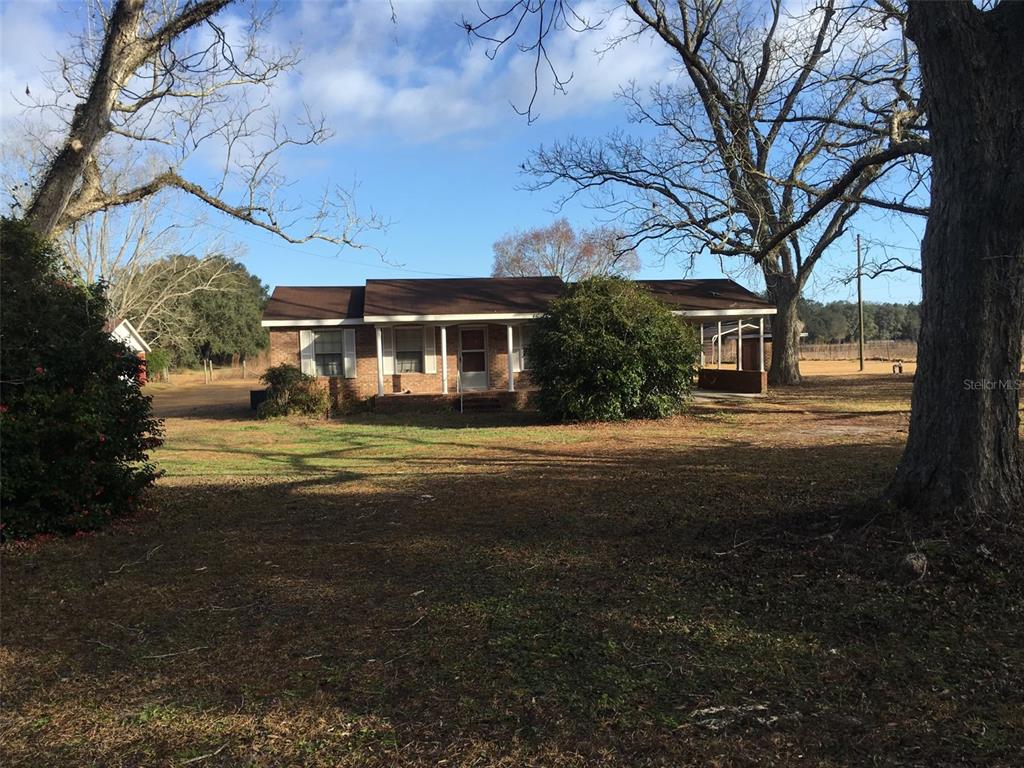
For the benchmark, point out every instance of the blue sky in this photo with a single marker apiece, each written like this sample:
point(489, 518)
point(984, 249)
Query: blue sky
point(425, 129)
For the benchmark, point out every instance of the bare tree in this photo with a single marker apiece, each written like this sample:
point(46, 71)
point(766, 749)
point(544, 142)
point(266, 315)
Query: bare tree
point(150, 267)
point(559, 250)
point(164, 75)
point(772, 110)
point(963, 451)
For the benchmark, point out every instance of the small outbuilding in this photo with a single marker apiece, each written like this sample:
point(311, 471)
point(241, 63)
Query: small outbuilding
point(122, 330)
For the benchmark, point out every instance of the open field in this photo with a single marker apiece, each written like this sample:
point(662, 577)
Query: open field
point(714, 589)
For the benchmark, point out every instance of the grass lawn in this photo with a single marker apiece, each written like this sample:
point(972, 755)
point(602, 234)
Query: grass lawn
point(708, 590)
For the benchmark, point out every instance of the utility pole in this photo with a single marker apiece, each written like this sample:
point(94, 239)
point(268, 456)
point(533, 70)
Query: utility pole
point(860, 307)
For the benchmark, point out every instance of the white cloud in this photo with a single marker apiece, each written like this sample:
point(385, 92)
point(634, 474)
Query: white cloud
point(415, 79)
point(421, 79)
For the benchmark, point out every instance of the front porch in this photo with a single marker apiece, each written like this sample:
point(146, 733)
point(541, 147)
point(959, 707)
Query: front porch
point(422, 358)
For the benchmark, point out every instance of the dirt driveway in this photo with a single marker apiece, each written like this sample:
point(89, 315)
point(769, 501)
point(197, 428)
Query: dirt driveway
point(219, 400)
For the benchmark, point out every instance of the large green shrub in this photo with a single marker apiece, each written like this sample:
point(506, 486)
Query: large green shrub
point(607, 350)
point(290, 391)
point(75, 428)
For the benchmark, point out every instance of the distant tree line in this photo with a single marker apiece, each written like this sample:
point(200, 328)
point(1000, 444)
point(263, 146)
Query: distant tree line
point(836, 321)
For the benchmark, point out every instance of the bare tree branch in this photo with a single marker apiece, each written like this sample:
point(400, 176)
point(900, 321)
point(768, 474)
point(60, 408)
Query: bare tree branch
point(167, 76)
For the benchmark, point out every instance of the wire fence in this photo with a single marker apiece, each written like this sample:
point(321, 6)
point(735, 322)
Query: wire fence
point(237, 370)
point(873, 350)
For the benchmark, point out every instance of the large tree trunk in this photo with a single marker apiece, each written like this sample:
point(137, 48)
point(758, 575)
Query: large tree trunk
point(963, 448)
point(785, 365)
point(90, 122)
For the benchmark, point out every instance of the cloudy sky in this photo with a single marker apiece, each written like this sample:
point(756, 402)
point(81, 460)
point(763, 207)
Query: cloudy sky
point(425, 129)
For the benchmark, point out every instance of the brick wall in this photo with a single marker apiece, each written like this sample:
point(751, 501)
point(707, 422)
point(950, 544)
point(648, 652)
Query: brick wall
point(284, 347)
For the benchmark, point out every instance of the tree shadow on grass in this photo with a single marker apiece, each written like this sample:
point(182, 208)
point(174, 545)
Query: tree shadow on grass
point(556, 609)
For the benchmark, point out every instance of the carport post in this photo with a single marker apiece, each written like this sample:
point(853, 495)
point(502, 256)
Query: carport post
point(760, 343)
point(739, 345)
point(380, 361)
point(702, 345)
point(719, 343)
point(444, 359)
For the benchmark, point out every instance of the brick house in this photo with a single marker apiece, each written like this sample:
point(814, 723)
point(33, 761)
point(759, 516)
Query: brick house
point(449, 336)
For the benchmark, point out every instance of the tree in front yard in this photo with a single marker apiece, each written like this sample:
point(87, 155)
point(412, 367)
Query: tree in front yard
point(963, 455)
point(607, 350)
point(75, 428)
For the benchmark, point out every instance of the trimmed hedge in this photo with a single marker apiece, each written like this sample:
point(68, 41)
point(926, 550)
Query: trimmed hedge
point(607, 350)
point(75, 428)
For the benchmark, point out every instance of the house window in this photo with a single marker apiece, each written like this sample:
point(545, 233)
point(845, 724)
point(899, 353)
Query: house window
point(327, 351)
point(521, 341)
point(408, 350)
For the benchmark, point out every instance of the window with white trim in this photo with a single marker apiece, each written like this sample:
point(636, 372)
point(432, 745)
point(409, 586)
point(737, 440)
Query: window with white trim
point(409, 350)
point(522, 334)
point(328, 353)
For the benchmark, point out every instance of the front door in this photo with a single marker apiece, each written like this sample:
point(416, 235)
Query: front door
point(473, 358)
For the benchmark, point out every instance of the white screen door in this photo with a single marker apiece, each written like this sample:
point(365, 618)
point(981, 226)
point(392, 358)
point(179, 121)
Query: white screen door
point(473, 358)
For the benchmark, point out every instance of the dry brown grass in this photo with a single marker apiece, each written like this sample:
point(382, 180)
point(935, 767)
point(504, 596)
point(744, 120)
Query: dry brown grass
point(492, 591)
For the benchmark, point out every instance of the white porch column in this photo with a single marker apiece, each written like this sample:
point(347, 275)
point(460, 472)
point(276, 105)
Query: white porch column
point(511, 368)
point(702, 345)
point(719, 343)
point(380, 361)
point(444, 359)
point(739, 344)
point(760, 343)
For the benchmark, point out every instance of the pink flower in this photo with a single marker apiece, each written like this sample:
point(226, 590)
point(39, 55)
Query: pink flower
point(40, 369)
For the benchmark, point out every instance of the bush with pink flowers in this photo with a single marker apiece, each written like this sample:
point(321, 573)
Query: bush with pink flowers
point(75, 428)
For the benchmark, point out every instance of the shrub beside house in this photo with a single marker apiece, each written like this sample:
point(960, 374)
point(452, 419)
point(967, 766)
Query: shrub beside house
point(608, 350)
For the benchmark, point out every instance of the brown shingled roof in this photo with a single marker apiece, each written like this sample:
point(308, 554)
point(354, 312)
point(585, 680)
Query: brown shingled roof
point(714, 294)
point(315, 303)
point(481, 296)
point(461, 296)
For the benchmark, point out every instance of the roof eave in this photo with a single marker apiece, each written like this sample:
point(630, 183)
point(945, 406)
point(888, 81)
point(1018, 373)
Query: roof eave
point(300, 323)
point(731, 312)
point(452, 318)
